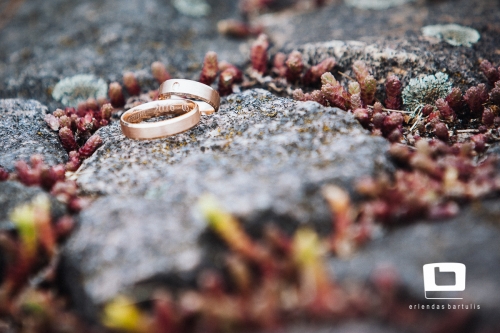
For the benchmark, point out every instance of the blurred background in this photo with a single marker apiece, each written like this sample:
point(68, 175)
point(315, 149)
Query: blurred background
point(44, 41)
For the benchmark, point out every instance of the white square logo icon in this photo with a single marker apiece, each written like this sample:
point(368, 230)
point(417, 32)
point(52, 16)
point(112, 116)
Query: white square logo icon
point(446, 291)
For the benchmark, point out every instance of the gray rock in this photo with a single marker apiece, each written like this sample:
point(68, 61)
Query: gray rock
point(106, 38)
point(358, 326)
point(493, 150)
point(393, 25)
point(13, 194)
point(123, 241)
point(259, 155)
point(264, 158)
point(408, 59)
point(390, 41)
point(23, 133)
point(471, 238)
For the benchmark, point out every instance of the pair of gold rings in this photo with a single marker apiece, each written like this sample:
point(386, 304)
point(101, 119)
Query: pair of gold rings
point(175, 98)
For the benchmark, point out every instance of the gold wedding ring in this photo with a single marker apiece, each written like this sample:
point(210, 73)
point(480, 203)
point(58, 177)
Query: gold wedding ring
point(207, 98)
point(187, 116)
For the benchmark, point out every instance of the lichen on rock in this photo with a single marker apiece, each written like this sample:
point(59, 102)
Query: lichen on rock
point(194, 8)
point(425, 90)
point(377, 5)
point(453, 34)
point(76, 89)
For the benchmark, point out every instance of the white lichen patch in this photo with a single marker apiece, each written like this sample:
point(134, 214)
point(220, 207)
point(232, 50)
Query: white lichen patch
point(376, 4)
point(76, 89)
point(373, 53)
point(425, 90)
point(400, 56)
point(453, 34)
point(194, 8)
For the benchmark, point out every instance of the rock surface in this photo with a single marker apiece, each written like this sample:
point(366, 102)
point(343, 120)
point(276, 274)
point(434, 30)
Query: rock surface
point(23, 133)
point(357, 326)
point(108, 38)
point(123, 241)
point(105, 38)
point(471, 239)
point(343, 22)
point(264, 158)
point(259, 153)
point(13, 194)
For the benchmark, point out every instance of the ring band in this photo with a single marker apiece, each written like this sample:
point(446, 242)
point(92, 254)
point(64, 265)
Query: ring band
point(188, 116)
point(210, 99)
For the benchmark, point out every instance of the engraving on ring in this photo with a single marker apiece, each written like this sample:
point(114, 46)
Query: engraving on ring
point(175, 86)
point(136, 117)
point(161, 109)
point(158, 110)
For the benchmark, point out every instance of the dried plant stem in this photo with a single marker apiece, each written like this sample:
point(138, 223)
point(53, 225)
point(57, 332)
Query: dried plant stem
point(417, 116)
point(468, 131)
point(391, 110)
point(347, 76)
